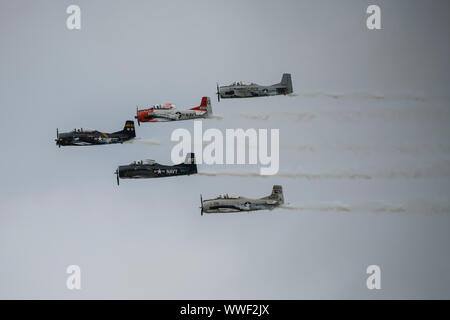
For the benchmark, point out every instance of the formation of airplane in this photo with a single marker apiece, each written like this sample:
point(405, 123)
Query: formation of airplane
point(242, 89)
point(87, 137)
point(152, 169)
point(168, 112)
point(228, 204)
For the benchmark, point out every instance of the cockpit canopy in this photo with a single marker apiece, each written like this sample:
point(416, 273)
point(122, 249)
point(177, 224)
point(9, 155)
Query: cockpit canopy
point(144, 162)
point(242, 83)
point(227, 196)
point(82, 130)
point(163, 106)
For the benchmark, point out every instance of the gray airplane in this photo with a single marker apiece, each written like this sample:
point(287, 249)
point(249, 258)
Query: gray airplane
point(227, 204)
point(151, 169)
point(246, 90)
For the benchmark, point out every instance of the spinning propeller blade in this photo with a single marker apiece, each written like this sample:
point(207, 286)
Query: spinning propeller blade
point(137, 116)
point(57, 138)
point(218, 92)
point(117, 176)
point(201, 203)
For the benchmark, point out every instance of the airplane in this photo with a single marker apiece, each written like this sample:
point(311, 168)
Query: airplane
point(242, 89)
point(227, 204)
point(168, 112)
point(151, 169)
point(87, 137)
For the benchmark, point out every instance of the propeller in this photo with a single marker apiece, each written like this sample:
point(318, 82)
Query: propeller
point(218, 92)
point(137, 116)
point(117, 176)
point(57, 138)
point(201, 202)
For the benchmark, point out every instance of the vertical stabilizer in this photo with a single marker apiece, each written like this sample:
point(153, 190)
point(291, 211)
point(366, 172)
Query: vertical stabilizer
point(190, 160)
point(286, 81)
point(205, 106)
point(128, 129)
point(277, 194)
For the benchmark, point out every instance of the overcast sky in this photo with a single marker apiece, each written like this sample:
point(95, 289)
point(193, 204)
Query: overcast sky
point(364, 150)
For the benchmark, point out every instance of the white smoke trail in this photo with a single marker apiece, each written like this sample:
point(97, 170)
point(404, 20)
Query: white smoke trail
point(254, 117)
point(415, 150)
point(440, 210)
point(321, 208)
point(361, 95)
point(441, 170)
point(298, 175)
point(299, 116)
point(332, 207)
point(148, 142)
point(320, 176)
point(216, 117)
point(305, 148)
point(346, 208)
point(377, 208)
point(296, 116)
point(385, 115)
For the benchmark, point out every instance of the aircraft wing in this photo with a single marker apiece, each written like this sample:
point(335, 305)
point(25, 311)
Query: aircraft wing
point(162, 117)
point(242, 92)
point(227, 210)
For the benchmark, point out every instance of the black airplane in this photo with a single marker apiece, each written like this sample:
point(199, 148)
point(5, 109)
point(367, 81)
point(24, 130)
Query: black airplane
point(88, 137)
point(151, 169)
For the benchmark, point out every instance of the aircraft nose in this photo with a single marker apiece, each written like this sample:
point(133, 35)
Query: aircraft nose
point(140, 116)
point(120, 172)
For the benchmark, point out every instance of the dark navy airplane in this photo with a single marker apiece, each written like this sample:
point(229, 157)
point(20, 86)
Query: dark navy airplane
point(87, 137)
point(151, 169)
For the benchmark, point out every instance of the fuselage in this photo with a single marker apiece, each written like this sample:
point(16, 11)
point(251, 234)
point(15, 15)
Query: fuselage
point(248, 91)
point(88, 137)
point(154, 170)
point(241, 89)
point(83, 138)
point(163, 115)
point(168, 112)
point(236, 204)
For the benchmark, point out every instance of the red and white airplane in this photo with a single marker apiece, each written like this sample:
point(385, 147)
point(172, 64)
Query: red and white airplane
point(168, 112)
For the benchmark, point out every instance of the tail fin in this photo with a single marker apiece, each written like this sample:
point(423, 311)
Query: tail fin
point(277, 194)
point(205, 105)
point(190, 158)
point(129, 128)
point(287, 82)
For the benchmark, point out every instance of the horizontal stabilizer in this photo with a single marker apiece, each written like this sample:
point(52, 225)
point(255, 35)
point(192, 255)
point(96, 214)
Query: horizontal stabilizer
point(276, 196)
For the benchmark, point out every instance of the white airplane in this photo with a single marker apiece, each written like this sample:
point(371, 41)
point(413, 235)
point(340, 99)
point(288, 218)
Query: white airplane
point(168, 112)
point(227, 204)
